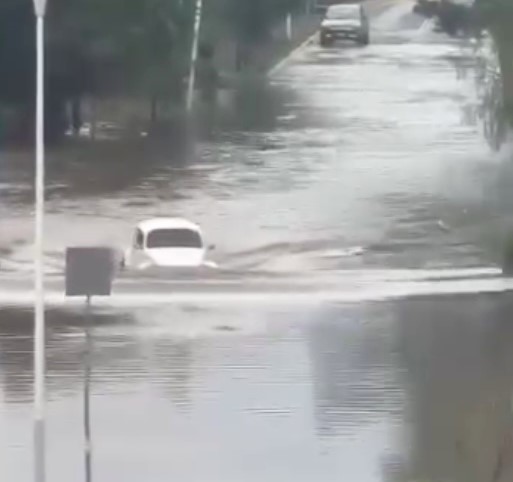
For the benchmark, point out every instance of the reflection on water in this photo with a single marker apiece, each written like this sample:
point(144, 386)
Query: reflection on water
point(417, 389)
point(457, 356)
point(354, 371)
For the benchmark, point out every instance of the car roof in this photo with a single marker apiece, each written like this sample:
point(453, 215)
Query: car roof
point(344, 7)
point(167, 223)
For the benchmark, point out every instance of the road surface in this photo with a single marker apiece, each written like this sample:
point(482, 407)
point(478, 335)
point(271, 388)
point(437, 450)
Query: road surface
point(357, 209)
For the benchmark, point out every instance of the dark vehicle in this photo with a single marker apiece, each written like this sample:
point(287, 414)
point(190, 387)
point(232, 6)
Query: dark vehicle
point(322, 5)
point(345, 21)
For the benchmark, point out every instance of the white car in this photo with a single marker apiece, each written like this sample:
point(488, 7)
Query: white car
point(167, 242)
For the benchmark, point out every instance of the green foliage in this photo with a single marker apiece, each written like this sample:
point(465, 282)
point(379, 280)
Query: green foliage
point(118, 47)
point(497, 17)
point(250, 20)
point(16, 51)
point(495, 12)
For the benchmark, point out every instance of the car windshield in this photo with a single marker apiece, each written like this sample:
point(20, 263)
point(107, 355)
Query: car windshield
point(343, 13)
point(174, 238)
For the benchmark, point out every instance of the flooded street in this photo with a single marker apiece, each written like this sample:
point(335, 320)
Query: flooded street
point(352, 158)
point(363, 171)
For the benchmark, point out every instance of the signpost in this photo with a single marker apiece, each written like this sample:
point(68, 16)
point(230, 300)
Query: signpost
point(39, 309)
point(89, 272)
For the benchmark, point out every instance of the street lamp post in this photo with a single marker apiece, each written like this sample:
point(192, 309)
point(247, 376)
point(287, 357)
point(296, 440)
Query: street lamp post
point(194, 54)
point(39, 313)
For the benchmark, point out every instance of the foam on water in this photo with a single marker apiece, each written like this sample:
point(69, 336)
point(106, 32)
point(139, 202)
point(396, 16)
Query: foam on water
point(348, 293)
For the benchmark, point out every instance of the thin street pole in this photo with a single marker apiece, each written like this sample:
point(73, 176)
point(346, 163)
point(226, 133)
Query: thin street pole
point(194, 54)
point(87, 381)
point(39, 309)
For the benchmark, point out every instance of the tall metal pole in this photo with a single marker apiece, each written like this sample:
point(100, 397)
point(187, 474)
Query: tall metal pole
point(39, 309)
point(194, 54)
point(87, 381)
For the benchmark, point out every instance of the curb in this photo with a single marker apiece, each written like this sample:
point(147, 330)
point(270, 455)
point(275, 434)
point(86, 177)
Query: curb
point(282, 63)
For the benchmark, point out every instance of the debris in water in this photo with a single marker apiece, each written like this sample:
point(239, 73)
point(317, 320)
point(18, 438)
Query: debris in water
point(443, 226)
point(225, 328)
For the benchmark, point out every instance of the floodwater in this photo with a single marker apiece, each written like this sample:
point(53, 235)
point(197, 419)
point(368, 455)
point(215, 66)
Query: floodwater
point(416, 389)
point(358, 178)
point(353, 158)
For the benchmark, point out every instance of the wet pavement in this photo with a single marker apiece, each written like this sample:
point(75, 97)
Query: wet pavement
point(359, 179)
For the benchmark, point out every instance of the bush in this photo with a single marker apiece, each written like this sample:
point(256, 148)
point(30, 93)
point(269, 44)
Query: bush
point(455, 18)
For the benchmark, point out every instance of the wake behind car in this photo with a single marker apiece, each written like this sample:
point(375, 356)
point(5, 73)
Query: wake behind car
point(169, 243)
point(345, 21)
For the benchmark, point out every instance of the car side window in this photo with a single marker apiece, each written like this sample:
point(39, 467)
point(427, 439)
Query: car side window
point(138, 239)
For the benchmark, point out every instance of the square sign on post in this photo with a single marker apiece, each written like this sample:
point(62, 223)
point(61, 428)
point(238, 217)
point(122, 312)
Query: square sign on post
point(89, 271)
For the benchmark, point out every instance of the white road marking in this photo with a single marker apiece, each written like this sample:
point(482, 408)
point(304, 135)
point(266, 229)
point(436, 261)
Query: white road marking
point(365, 291)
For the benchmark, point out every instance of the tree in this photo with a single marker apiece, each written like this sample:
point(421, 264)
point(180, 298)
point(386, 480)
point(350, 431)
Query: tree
point(497, 17)
point(250, 22)
point(120, 47)
point(17, 59)
point(99, 48)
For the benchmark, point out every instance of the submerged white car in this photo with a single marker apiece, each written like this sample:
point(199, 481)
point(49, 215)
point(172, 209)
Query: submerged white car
point(169, 243)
